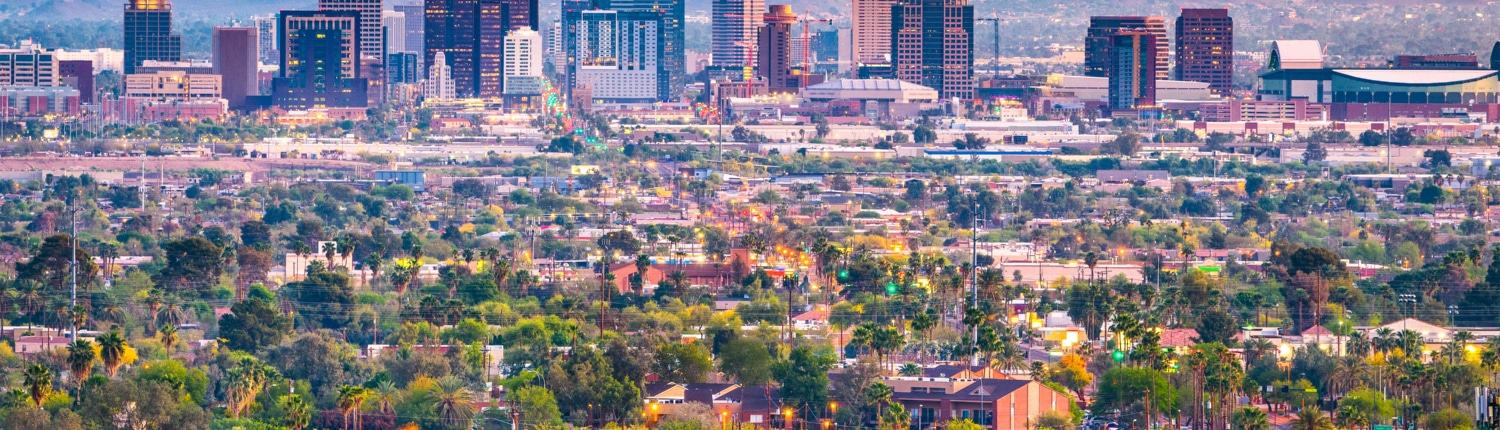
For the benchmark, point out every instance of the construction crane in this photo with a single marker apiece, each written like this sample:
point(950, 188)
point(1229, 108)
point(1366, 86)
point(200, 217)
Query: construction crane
point(807, 43)
point(997, 20)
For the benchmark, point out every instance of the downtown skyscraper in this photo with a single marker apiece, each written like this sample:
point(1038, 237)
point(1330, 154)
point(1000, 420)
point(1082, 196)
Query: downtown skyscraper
point(1132, 69)
point(932, 44)
point(371, 43)
point(617, 55)
point(148, 33)
point(774, 61)
point(472, 34)
point(736, 25)
point(1205, 48)
point(871, 31)
point(673, 40)
point(1097, 56)
point(320, 61)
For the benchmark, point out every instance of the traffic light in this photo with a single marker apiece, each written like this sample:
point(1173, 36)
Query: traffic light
point(890, 288)
point(843, 275)
point(1118, 355)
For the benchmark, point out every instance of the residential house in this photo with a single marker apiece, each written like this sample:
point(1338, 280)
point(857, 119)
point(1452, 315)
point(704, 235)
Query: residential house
point(1117, 176)
point(27, 345)
point(846, 205)
point(668, 396)
point(998, 404)
point(698, 274)
point(1179, 340)
point(816, 318)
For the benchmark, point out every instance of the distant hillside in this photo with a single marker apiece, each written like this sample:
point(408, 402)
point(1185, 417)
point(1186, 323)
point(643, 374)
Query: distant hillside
point(89, 10)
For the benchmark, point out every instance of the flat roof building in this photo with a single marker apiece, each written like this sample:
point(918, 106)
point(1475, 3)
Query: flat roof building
point(870, 90)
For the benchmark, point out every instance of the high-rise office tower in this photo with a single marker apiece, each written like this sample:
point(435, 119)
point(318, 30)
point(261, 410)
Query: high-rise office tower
point(871, 30)
point(572, 18)
point(401, 68)
point(416, 17)
point(932, 44)
point(557, 52)
point(235, 50)
point(1096, 46)
point(618, 56)
point(523, 62)
point(825, 46)
point(148, 33)
point(320, 61)
point(265, 27)
point(1132, 69)
point(1205, 48)
point(673, 54)
point(774, 61)
point(736, 24)
point(370, 41)
point(393, 30)
point(472, 33)
point(439, 84)
point(521, 14)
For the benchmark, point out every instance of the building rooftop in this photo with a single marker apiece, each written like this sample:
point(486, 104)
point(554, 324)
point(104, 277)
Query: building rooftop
point(1297, 51)
point(1409, 77)
point(868, 84)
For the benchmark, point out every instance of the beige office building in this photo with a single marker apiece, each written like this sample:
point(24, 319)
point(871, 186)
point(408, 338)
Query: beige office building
point(872, 31)
point(167, 86)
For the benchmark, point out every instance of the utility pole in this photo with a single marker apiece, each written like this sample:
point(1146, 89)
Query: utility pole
point(974, 282)
point(74, 295)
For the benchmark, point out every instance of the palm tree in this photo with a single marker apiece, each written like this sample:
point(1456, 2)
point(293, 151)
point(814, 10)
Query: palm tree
point(1250, 418)
point(349, 399)
point(172, 312)
point(500, 272)
point(297, 412)
point(402, 275)
point(153, 304)
point(1410, 342)
point(1358, 345)
point(386, 395)
point(911, 369)
point(878, 394)
point(80, 360)
point(246, 380)
point(1091, 259)
point(112, 350)
point(1460, 340)
point(112, 313)
point(1310, 418)
point(38, 383)
point(1384, 340)
point(373, 262)
point(168, 335)
point(1255, 349)
point(452, 404)
point(1352, 417)
point(1347, 374)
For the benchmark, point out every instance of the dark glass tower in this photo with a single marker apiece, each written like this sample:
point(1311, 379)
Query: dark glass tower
point(472, 35)
point(1132, 70)
point(148, 33)
point(1096, 45)
point(932, 44)
point(1205, 48)
point(320, 61)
